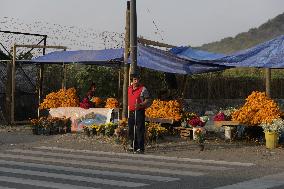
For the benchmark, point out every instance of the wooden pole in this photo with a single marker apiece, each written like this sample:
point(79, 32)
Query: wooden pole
point(268, 81)
point(13, 88)
point(133, 36)
point(64, 70)
point(8, 92)
point(64, 75)
point(40, 93)
point(126, 65)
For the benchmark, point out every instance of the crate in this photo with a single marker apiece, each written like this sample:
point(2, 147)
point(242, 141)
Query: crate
point(185, 133)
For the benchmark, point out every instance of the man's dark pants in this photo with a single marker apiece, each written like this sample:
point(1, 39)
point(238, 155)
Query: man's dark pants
point(140, 128)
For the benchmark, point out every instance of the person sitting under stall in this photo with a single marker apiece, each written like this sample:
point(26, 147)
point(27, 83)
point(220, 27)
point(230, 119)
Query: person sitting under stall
point(87, 100)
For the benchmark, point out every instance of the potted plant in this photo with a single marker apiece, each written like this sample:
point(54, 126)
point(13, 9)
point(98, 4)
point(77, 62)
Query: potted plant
point(200, 138)
point(272, 131)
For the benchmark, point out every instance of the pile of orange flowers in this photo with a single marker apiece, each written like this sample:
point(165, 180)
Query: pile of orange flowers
point(97, 100)
point(111, 103)
point(257, 109)
point(62, 98)
point(164, 109)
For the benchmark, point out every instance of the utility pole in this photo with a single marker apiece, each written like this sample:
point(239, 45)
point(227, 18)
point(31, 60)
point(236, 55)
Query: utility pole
point(126, 65)
point(133, 36)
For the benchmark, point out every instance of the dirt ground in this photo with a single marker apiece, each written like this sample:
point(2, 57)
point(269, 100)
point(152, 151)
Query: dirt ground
point(216, 148)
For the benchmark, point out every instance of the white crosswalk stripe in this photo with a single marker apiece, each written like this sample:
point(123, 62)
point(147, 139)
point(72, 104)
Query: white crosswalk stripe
point(177, 159)
point(41, 183)
point(104, 165)
point(126, 160)
point(40, 168)
point(72, 177)
point(91, 171)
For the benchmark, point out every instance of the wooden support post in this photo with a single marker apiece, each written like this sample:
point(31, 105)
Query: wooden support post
point(185, 86)
point(133, 36)
point(8, 92)
point(64, 70)
point(13, 88)
point(40, 93)
point(126, 65)
point(268, 81)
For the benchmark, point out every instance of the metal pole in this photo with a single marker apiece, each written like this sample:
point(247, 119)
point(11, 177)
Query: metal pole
point(268, 81)
point(13, 85)
point(133, 36)
point(126, 65)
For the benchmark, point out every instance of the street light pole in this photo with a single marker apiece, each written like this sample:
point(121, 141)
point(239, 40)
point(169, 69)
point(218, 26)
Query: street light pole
point(133, 36)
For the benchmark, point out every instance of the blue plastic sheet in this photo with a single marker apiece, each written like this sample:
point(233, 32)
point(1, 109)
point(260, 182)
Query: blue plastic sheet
point(269, 54)
point(181, 60)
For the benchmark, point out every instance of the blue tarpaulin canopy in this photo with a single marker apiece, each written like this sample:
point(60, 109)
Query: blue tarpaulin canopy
point(269, 54)
point(180, 60)
point(147, 57)
point(107, 57)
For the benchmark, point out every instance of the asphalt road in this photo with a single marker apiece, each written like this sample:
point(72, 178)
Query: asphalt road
point(37, 166)
point(47, 167)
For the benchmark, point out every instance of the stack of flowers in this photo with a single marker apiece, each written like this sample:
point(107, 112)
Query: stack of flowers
point(62, 98)
point(277, 126)
point(97, 100)
point(257, 109)
point(155, 130)
point(164, 109)
point(111, 103)
point(50, 125)
point(225, 114)
point(193, 120)
point(105, 129)
point(197, 121)
point(220, 116)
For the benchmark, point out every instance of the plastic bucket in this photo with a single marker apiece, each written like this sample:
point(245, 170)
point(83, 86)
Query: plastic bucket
point(271, 139)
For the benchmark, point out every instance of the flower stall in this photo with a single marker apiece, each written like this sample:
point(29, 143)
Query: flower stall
point(65, 104)
point(258, 109)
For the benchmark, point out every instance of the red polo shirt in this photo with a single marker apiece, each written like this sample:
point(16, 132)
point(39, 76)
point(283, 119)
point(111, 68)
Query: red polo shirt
point(134, 96)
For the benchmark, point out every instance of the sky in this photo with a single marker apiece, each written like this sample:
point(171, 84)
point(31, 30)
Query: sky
point(176, 22)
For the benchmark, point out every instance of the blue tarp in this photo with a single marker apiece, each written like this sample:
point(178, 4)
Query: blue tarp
point(181, 60)
point(159, 60)
point(269, 54)
point(107, 57)
point(195, 54)
point(147, 57)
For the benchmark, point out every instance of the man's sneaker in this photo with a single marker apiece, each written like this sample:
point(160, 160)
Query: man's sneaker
point(139, 151)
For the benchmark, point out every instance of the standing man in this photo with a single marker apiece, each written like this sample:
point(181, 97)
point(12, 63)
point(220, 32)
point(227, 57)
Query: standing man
point(138, 101)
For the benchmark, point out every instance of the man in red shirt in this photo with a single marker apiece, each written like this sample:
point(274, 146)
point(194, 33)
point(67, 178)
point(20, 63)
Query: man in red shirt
point(138, 101)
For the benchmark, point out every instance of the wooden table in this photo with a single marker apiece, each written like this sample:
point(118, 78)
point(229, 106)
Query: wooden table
point(226, 123)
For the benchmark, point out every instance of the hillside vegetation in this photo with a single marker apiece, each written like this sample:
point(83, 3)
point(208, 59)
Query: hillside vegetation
point(269, 30)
